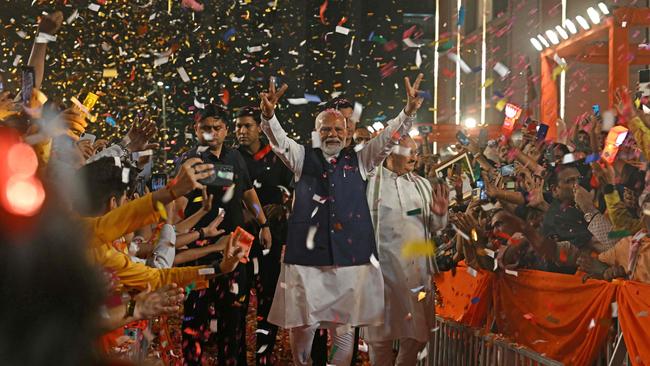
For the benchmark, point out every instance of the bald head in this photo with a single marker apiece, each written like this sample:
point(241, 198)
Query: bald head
point(404, 156)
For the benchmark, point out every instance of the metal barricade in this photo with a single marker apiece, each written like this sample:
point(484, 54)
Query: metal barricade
point(454, 344)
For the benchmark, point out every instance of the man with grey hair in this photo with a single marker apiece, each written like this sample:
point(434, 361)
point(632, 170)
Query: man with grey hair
point(330, 276)
point(399, 198)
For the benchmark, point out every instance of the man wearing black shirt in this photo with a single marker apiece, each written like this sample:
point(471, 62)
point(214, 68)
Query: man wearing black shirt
point(220, 310)
point(272, 181)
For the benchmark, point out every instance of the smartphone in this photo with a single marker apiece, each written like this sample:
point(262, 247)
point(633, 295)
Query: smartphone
point(483, 139)
point(482, 194)
point(462, 138)
point(541, 132)
point(507, 170)
point(139, 186)
point(596, 109)
point(88, 136)
point(158, 181)
point(245, 241)
point(28, 83)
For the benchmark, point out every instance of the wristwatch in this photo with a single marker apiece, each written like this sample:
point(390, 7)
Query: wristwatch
point(266, 224)
point(590, 216)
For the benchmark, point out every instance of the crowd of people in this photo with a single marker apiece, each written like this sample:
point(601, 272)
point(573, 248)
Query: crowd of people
point(338, 239)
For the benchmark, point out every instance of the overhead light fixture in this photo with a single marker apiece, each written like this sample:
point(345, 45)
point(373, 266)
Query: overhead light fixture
point(583, 22)
point(543, 40)
point(593, 15)
point(562, 32)
point(570, 26)
point(552, 37)
point(603, 8)
point(538, 46)
point(470, 122)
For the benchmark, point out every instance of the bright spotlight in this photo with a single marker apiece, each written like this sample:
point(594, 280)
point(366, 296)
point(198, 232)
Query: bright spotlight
point(470, 122)
point(593, 15)
point(583, 22)
point(603, 8)
point(552, 37)
point(561, 32)
point(538, 46)
point(543, 40)
point(570, 26)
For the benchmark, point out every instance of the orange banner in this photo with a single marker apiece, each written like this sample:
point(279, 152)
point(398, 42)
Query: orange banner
point(555, 314)
point(633, 312)
point(465, 296)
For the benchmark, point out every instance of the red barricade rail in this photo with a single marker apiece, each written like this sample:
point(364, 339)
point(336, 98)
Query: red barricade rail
point(555, 315)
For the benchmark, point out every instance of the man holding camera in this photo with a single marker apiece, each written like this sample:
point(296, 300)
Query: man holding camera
point(220, 311)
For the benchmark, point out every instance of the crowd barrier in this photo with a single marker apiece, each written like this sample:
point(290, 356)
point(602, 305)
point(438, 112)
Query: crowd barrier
point(559, 317)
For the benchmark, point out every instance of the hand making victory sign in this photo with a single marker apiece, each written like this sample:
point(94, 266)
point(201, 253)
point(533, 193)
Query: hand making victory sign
point(270, 99)
point(413, 100)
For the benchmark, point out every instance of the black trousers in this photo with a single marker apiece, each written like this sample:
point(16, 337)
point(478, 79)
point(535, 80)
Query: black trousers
point(217, 308)
point(265, 283)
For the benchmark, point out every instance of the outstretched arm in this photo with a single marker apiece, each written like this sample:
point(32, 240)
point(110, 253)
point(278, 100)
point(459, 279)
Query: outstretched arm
point(288, 150)
point(377, 149)
point(49, 24)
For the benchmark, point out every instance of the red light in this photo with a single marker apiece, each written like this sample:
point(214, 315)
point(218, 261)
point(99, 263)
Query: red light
point(22, 160)
point(24, 196)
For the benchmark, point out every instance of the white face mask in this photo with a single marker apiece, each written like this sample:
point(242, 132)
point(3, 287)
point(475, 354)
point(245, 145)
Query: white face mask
point(332, 146)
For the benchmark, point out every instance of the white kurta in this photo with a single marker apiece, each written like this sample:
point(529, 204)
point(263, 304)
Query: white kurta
point(328, 295)
point(398, 223)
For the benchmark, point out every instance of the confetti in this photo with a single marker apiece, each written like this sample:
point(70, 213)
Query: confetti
point(501, 69)
point(230, 191)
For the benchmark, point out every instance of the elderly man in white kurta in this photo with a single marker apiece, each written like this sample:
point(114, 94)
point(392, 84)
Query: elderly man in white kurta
point(405, 211)
point(330, 276)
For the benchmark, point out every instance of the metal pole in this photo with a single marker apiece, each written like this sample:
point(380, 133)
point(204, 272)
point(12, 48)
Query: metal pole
point(164, 126)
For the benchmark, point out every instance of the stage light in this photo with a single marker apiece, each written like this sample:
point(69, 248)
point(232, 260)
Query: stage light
point(378, 126)
point(603, 8)
point(583, 22)
point(414, 132)
point(570, 26)
point(538, 46)
point(593, 15)
point(552, 37)
point(562, 32)
point(24, 197)
point(543, 40)
point(470, 122)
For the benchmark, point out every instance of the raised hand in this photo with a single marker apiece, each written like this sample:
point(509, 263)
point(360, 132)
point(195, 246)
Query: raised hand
point(413, 100)
point(51, 23)
point(440, 199)
point(231, 257)
point(207, 200)
point(189, 175)
point(140, 134)
point(270, 100)
point(212, 229)
point(166, 300)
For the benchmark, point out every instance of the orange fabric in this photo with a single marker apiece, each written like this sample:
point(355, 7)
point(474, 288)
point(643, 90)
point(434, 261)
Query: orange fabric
point(552, 313)
point(549, 100)
point(634, 316)
point(464, 298)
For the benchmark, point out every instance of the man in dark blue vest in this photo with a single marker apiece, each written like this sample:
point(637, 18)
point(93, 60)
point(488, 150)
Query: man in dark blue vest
point(330, 276)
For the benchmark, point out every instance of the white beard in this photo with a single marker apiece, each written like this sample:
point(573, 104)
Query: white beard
point(332, 149)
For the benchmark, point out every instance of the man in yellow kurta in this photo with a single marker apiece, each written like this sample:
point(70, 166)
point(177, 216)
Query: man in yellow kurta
point(120, 219)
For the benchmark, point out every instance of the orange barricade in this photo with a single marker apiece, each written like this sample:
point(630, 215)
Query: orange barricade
point(633, 312)
point(553, 314)
point(463, 296)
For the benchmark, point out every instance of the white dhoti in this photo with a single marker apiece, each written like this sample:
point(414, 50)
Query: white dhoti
point(331, 296)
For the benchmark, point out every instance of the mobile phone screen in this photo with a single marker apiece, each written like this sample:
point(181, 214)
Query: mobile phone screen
point(541, 132)
point(28, 82)
point(158, 181)
point(462, 138)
